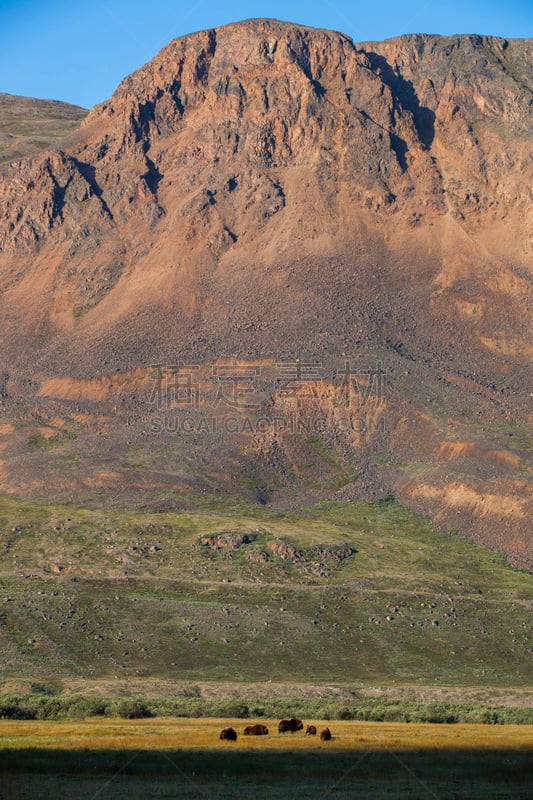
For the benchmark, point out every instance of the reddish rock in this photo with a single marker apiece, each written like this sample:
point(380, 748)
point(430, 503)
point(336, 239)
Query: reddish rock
point(225, 541)
point(285, 551)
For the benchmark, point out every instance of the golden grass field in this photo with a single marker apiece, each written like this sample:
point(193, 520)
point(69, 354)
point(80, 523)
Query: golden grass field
point(112, 759)
point(190, 734)
point(182, 759)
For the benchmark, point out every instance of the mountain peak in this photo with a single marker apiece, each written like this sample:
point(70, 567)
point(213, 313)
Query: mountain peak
point(236, 47)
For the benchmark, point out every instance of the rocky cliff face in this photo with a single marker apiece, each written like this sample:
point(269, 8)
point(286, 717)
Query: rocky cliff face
point(261, 143)
point(270, 96)
point(469, 94)
point(267, 191)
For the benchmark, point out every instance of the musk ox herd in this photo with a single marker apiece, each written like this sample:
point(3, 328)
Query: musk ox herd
point(291, 725)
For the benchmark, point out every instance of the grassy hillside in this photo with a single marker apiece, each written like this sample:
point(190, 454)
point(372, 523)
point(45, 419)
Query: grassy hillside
point(340, 593)
point(28, 125)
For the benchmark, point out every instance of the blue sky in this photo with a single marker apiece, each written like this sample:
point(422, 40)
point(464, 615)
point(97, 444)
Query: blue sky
point(79, 51)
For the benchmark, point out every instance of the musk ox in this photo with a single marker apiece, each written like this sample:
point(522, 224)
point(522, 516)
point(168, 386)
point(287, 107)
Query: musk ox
point(229, 734)
point(310, 730)
point(291, 725)
point(325, 735)
point(256, 730)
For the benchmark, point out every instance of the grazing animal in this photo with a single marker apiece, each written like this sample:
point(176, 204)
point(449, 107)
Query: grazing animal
point(291, 725)
point(310, 730)
point(325, 735)
point(229, 734)
point(256, 730)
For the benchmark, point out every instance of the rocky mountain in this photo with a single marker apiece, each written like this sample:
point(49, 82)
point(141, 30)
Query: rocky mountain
point(310, 230)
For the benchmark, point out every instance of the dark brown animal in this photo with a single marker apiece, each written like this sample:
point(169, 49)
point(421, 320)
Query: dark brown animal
point(310, 730)
point(256, 730)
point(291, 725)
point(325, 735)
point(229, 734)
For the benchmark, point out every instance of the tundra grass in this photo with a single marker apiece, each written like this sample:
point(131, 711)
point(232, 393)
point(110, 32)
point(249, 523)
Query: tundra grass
point(94, 595)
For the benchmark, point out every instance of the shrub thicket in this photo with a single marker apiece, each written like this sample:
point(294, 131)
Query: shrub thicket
point(42, 707)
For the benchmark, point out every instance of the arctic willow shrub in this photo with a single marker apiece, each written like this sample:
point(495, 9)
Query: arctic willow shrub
point(42, 707)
